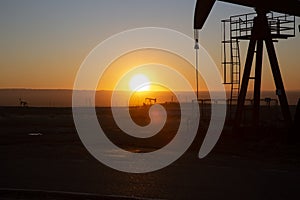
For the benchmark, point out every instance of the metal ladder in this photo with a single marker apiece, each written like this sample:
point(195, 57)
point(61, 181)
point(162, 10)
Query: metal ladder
point(231, 59)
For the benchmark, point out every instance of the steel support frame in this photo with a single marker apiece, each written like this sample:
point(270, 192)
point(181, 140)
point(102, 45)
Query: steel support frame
point(261, 33)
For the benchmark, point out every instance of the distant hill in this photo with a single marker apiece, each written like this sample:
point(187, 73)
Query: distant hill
point(63, 97)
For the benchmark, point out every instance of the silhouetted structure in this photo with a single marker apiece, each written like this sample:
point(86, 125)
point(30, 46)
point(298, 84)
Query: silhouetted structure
point(203, 8)
point(297, 119)
point(261, 31)
point(149, 101)
point(256, 28)
point(23, 103)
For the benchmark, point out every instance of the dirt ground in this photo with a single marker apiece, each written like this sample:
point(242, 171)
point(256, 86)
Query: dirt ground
point(41, 151)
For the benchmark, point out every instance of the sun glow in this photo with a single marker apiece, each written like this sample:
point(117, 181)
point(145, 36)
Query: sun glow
point(139, 82)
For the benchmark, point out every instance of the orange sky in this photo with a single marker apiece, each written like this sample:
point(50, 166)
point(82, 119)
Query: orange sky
point(44, 43)
point(148, 60)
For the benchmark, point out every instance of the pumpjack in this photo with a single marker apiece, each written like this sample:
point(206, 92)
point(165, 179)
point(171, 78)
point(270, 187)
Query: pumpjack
point(260, 32)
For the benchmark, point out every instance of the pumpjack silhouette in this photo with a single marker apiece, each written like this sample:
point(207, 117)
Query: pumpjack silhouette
point(260, 33)
point(23, 103)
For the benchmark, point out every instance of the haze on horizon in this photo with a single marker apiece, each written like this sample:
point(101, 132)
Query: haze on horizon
point(43, 43)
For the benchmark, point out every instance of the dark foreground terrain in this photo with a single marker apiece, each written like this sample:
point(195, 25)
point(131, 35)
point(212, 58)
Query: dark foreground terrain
point(42, 157)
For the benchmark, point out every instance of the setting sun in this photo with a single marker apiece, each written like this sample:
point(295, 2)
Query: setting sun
point(139, 82)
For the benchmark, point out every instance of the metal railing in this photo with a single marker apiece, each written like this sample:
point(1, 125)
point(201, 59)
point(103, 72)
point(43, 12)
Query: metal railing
point(281, 25)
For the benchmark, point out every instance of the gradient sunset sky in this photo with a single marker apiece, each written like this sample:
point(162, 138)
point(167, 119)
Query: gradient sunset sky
point(43, 43)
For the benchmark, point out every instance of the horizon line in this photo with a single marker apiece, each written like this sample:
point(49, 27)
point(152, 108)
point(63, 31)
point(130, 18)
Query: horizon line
point(107, 90)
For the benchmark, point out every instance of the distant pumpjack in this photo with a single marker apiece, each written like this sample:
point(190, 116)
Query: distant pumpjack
point(23, 103)
point(149, 101)
point(260, 32)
